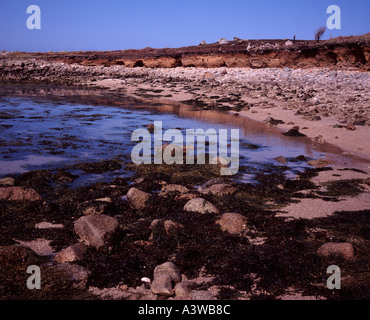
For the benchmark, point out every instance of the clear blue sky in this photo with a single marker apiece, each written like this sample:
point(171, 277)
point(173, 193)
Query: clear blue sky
point(120, 24)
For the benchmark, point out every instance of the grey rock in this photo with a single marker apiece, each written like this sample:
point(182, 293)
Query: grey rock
point(164, 275)
point(344, 250)
point(73, 253)
point(137, 199)
point(162, 285)
point(96, 231)
point(168, 268)
point(233, 223)
point(201, 206)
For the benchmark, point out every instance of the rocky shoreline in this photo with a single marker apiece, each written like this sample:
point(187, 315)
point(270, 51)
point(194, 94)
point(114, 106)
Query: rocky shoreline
point(184, 232)
point(332, 105)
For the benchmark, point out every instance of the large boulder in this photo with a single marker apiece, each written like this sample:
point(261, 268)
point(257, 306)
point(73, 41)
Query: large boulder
point(19, 194)
point(96, 231)
point(200, 205)
point(164, 275)
point(233, 223)
point(344, 250)
point(168, 268)
point(137, 199)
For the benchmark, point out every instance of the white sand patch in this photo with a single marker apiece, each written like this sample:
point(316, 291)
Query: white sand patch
point(318, 208)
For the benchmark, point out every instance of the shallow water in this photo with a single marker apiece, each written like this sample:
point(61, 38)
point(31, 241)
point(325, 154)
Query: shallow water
point(37, 134)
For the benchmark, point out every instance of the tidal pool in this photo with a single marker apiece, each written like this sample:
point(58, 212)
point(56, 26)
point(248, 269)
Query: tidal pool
point(43, 133)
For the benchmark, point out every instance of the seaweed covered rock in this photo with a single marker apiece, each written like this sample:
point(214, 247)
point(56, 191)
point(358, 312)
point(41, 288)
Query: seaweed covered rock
point(96, 231)
point(64, 275)
point(15, 254)
point(95, 207)
point(14, 261)
point(100, 167)
point(294, 132)
point(169, 226)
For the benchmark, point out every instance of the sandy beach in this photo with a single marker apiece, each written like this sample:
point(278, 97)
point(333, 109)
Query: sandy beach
point(333, 118)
